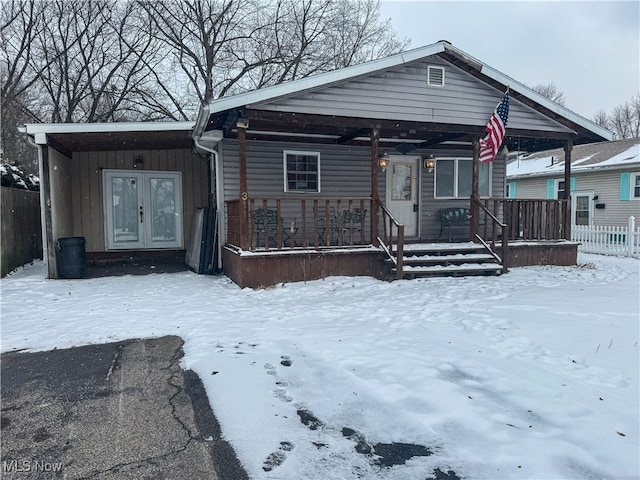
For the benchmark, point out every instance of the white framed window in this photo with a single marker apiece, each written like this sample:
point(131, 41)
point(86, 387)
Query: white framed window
point(635, 186)
point(454, 177)
point(559, 189)
point(301, 171)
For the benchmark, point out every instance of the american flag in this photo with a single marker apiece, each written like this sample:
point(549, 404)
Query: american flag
point(495, 129)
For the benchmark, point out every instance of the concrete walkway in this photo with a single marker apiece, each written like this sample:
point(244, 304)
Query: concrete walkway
point(115, 411)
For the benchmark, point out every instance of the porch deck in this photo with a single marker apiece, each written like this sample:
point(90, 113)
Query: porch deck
point(266, 268)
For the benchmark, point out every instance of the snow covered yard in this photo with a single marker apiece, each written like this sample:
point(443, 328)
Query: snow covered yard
point(531, 375)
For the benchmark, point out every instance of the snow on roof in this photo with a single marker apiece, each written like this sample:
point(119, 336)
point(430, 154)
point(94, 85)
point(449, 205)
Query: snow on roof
point(591, 156)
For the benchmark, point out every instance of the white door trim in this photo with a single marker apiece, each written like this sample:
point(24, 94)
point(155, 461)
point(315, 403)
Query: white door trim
point(145, 220)
point(574, 204)
point(406, 211)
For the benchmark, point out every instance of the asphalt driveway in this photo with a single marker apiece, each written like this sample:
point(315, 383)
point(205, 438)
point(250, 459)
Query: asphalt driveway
point(122, 410)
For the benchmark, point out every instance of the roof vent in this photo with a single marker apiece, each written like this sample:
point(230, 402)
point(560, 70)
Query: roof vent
point(435, 76)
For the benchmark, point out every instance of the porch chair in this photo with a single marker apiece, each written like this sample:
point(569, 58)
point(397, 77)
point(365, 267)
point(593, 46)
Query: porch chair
point(269, 229)
point(351, 221)
point(452, 217)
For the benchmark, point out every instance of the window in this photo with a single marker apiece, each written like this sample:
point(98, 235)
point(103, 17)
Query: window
point(556, 188)
point(301, 171)
point(560, 189)
point(454, 177)
point(635, 186)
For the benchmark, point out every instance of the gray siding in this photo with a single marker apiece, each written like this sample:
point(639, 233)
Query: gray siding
point(403, 94)
point(345, 172)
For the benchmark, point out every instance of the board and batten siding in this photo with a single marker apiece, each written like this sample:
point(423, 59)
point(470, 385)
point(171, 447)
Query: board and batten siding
point(77, 188)
point(604, 183)
point(345, 172)
point(60, 177)
point(402, 93)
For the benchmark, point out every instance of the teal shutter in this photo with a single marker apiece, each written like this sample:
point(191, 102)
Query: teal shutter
point(572, 184)
point(512, 189)
point(551, 191)
point(625, 183)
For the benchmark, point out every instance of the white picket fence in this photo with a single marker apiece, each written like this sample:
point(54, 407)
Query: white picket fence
point(621, 241)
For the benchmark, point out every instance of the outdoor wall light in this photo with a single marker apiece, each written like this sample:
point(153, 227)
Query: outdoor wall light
point(138, 162)
point(383, 161)
point(429, 163)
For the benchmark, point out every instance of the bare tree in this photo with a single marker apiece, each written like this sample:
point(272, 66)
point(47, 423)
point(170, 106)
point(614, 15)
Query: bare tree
point(623, 120)
point(550, 91)
point(223, 47)
point(20, 23)
point(89, 61)
point(114, 60)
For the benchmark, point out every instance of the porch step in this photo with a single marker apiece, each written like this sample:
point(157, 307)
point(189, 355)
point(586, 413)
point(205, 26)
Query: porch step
point(448, 261)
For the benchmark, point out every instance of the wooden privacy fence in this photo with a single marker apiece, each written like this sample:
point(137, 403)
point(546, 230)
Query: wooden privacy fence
point(21, 228)
point(608, 240)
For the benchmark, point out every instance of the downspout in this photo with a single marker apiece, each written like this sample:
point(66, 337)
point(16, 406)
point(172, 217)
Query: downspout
point(215, 166)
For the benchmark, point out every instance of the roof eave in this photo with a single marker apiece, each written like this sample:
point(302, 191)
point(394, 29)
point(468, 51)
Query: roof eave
point(529, 93)
point(49, 128)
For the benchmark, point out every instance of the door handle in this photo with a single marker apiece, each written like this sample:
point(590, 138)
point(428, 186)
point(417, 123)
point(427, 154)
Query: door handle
point(141, 215)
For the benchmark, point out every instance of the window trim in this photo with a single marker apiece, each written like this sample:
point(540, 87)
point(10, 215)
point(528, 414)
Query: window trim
point(309, 153)
point(632, 186)
point(455, 179)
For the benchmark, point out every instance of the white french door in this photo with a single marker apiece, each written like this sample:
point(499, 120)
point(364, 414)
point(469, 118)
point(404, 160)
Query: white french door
point(143, 210)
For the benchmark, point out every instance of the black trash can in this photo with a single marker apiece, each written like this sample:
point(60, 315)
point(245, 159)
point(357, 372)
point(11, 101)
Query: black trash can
point(71, 257)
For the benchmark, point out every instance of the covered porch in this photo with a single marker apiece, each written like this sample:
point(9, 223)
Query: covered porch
point(335, 174)
point(305, 239)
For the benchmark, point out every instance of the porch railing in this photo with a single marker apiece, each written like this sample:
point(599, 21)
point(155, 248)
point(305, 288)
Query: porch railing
point(526, 219)
point(493, 230)
point(390, 233)
point(274, 223)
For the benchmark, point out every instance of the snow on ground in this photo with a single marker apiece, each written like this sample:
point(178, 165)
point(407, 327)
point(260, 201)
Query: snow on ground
point(533, 374)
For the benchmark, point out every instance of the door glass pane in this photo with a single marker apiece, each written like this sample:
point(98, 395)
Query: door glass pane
point(401, 182)
point(444, 178)
point(582, 210)
point(465, 173)
point(163, 209)
point(125, 209)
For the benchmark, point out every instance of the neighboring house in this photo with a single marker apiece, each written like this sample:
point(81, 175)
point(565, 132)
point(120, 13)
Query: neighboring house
point(604, 183)
point(327, 175)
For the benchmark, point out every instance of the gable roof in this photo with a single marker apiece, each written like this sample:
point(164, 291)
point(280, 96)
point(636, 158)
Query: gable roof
point(591, 156)
point(444, 49)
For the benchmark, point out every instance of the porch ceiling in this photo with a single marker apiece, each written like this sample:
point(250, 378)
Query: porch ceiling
point(403, 136)
point(100, 141)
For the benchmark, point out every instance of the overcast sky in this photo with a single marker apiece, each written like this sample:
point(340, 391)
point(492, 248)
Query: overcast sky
point(589, 49)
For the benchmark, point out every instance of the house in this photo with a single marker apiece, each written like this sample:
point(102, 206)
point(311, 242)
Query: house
point(604, 184)
point(335, 174)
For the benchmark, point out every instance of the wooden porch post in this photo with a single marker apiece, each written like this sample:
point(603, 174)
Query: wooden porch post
point(45, 201)
point(244, 195)
point(568, 147)
point(474, 225)
point(375, 137)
